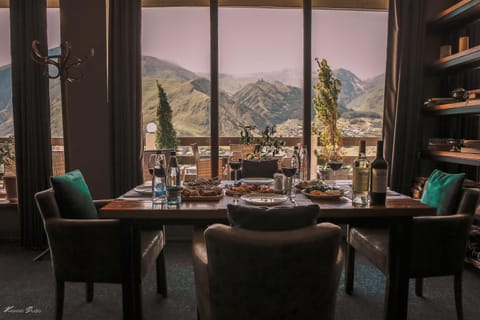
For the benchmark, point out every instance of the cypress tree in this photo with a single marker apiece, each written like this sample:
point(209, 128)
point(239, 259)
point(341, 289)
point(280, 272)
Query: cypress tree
point(166, 136)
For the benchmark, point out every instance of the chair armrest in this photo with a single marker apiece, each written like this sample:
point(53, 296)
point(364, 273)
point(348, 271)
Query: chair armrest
point(200, 264)
point(438, 244)
point(85, 248)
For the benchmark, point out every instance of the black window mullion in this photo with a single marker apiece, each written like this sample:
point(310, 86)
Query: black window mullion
point(307, 75)
point(214, 97)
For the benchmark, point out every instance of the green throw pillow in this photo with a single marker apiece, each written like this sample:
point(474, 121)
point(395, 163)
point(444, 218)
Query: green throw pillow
point(272, 218)
point(442, 191)
point(73, 196)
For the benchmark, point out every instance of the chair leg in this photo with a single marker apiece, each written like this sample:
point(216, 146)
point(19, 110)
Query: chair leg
point(419, 287)
point(457, 280)
point(161, 274)
point(59, 293)
point(349, 268)
point(89, 291)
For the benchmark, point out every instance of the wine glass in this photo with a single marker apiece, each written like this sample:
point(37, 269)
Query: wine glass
point(152, 161)
point(335, 161)
point(235, 163)
point(289, 167)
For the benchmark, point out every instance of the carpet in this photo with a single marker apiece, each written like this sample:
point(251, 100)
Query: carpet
point(27, 292)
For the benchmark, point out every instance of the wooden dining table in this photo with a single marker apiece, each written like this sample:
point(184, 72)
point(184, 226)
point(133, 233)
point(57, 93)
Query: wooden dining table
point(398, 212)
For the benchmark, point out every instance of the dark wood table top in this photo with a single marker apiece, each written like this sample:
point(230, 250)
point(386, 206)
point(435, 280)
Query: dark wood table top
point(397, 206)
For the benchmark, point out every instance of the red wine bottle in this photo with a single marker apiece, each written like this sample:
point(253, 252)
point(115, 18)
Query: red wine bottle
point(378, 177)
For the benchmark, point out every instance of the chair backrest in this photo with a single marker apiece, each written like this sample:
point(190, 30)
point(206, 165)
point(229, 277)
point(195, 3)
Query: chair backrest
point(290, 274)
point(439, 242)
point(47, 204)
point(81, 249)
point(259, 168)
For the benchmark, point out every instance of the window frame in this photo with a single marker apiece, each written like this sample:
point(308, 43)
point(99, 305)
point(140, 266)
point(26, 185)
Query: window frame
point(307, 6)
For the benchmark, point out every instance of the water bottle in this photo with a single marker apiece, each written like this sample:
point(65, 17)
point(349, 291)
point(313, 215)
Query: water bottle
point(304, 164)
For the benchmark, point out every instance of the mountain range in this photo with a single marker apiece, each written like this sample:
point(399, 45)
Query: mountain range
point(259, 99)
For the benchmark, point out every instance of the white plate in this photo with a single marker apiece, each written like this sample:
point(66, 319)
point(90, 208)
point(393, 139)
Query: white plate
point(257, 180)
point(264, 199)
point(143, 189)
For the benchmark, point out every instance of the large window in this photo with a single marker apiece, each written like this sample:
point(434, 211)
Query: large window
point(6, 107)
point(260, 54)
point(260, 70)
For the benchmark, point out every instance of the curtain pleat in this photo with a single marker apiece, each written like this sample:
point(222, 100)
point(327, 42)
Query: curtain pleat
point(31, 113)
point(403, 91)
point(125, 93)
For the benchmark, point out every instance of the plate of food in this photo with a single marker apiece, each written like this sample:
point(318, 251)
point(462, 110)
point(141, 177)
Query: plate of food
point(323, 191)
point(201, 183)
point(264, 199)
point(205, 194)
point(244, 188)
point(257, 181)
point(305, 184)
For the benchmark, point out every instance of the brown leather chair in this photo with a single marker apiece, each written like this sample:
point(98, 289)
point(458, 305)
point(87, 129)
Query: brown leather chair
point(437, 247)
point(89, 250)
point(246, 274)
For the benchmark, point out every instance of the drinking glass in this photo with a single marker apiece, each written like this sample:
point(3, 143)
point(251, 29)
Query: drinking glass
point(235, 162)
point(335, 161)
point(289, 167)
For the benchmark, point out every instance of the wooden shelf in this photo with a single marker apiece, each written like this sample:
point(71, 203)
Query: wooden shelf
point(471, 159)
point(467, 57)
point(461, 12)
point(463, 107)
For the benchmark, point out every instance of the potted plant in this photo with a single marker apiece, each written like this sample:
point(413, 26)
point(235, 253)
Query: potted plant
point(266, 147)
point(325, 103)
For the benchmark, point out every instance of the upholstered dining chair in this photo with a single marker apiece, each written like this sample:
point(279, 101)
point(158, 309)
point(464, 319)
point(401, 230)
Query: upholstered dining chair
point(259, 168)
point(251, 274)
point(437, 247)
point(89, 250)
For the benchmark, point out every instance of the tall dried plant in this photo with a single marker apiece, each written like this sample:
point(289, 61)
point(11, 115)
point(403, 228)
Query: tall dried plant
point(325, 103)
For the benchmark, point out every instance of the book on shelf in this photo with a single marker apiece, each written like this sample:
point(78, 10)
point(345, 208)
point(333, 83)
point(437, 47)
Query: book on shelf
point(469, 150)
point(436, 101)
point(470, 146)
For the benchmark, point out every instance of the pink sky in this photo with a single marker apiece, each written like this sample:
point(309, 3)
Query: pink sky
point(256, 40)
point(252, 40)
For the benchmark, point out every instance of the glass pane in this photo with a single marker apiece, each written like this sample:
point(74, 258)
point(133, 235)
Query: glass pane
point(260, 72)
point(56, 122)
point(354, 45)
point(176, 53)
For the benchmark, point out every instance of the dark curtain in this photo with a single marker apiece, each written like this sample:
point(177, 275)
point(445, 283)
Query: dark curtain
point(31, 114)
point(126, 93)
point(403, 91)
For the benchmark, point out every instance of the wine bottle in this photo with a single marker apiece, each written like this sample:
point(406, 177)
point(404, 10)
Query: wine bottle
point(378, 177)
point(304, 163)
point(174, 171)
point(360, 181)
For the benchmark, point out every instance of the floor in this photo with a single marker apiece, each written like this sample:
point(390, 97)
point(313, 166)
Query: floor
point(26, 292)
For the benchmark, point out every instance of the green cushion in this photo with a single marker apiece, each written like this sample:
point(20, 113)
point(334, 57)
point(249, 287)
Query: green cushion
point(73, 196)
point(442, 191)
point(272, 218)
